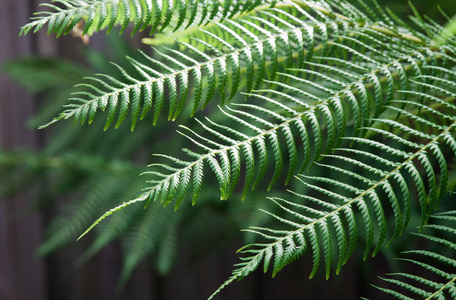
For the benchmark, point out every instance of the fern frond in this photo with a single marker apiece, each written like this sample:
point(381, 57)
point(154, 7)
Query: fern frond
point(322, 107)
point(110, 212)
point(258, 45)
point(436, 278)
point(253, 46)
point(95, 15)
point(365, 181)
point(226, 148)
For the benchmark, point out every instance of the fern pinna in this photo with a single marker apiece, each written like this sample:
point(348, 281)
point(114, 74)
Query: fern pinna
point(298, 81)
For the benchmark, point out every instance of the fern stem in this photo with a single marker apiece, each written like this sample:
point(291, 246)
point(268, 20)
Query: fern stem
point(170, 37)
point(405, 36)
point(374, 27)
point(442, 288)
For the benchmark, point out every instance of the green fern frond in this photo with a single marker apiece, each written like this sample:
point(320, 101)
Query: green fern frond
point(436, 278)
point(224, 149)
point(114, 228)
point(254, 46)
point(95, 15)
point(110, 212)
point(325, 220)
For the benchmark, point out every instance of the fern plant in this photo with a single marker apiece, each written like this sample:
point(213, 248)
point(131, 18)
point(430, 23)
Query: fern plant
point(351, 105)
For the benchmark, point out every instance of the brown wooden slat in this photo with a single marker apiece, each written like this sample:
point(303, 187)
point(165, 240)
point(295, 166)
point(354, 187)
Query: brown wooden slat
point(22, 275)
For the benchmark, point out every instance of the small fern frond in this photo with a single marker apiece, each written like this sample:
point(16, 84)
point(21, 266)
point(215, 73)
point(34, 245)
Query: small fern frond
point(95, 15)
point(436, 278)
point(364, 182)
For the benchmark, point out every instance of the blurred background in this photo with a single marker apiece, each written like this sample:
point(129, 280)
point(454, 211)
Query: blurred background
point(55, 182)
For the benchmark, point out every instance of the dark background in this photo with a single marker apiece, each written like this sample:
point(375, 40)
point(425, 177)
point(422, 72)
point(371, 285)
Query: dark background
point(25, 276)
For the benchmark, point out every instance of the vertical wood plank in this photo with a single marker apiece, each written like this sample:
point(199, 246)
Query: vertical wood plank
point(21, 272)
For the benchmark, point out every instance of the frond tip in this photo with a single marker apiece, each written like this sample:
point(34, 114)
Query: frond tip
point(110, 212)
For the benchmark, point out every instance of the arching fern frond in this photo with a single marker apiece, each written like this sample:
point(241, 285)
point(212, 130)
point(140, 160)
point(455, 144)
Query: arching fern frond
point(255, 46)
point(311, 121)
point(436, 266)
point(96, 15)
point(213, 61)
point(366, 182)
